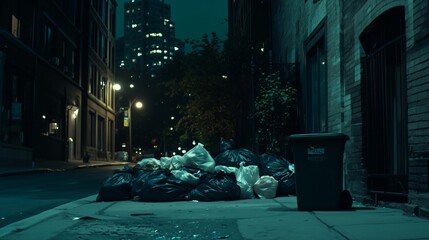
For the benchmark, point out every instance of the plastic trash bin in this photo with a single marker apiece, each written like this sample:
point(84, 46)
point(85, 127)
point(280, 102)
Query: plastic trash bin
point(319, 170)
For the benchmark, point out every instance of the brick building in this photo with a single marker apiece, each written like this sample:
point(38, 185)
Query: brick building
point(364, 68)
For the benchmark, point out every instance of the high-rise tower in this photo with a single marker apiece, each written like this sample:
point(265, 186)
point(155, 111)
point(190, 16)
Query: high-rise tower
point(149, 37)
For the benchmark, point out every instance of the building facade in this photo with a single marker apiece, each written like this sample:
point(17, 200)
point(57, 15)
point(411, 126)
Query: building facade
point(98, 69)
point(149, 37)
point(45, 87)
point(364, 72)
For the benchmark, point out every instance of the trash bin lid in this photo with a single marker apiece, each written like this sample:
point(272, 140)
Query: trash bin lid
point(318, 136)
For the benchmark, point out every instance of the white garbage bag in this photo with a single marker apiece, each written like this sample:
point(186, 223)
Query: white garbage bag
point(200, 158)
point(266, 187)
point(247, 176)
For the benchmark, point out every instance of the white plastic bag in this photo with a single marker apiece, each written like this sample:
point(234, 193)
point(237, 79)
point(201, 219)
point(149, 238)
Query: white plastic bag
point(149, 164)
point(247, 176)
point(266, 187)
point(165, 163)
point(200, 158)
point(226, 169)
point(177, 162)
point(186, 176)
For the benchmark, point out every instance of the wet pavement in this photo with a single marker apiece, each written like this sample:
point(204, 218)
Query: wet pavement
point(251, 219)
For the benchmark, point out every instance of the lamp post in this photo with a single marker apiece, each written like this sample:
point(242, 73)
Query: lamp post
point(138, 104)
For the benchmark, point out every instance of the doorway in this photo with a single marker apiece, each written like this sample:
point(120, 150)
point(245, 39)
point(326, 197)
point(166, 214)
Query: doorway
point(384, 106)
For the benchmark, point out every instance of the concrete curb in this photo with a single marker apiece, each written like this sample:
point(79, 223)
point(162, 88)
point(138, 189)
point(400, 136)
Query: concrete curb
point(31, 221)
point(40, 170)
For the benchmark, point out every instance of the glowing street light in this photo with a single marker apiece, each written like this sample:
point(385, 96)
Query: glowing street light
point(116, 87)
point(138, 104)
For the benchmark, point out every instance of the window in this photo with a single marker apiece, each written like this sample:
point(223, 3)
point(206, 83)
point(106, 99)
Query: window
point(102, 89)
point(16, 26)
point(315, 102)
point(101, 136)
point(110, 136)
point(92, 129)
point(92, 79)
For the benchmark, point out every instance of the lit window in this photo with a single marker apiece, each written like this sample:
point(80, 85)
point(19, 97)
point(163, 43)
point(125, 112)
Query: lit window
point(165, 57)
point(176, 48)
point(134, 60)
point(16, 25)
point(128, 11)
point(134, 25)
point(139, 54)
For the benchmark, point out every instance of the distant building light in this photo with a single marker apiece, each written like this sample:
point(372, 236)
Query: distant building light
point(139, 54)
point(176, 48)
point(43, 116)
point(262, 49)
point(224, 76)
point(134, 60)
point(131, 85)
point(134, 25)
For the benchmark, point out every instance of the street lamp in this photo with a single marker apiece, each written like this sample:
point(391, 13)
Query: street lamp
point(137, 104)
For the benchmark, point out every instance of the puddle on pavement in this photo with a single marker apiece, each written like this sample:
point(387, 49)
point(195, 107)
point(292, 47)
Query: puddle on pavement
point(154, 229)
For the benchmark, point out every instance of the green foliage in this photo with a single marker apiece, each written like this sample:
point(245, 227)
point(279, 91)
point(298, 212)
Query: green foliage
point(204, 97)
point(274, 105)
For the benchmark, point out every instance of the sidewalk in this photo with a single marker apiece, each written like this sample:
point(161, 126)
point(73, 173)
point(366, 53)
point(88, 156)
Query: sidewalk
point(50, 166)
point(250, 219)
point(257, 219)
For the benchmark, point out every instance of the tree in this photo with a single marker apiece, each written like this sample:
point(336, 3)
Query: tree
point(204, 93)
point(274, 107)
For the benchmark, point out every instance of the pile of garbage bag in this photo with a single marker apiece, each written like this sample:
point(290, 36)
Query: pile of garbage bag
point(233, 174)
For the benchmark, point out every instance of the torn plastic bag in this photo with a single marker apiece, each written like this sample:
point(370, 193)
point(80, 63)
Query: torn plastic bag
point(162, 186)
point(246, 179)
point(199, 157)
point(278, 167)
point(117, 187)
point(226, 169)
point(216, 187)
point(233, 158)
point(148, 164)
point(186, 176)
point(266, 187)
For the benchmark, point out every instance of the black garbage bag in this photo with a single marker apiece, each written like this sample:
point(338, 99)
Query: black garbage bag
point(162, 186)
point(139, 180)
point(286, 185)
point(233, 158)
point(117, 187)
point(226, 145)
point(216, 187)
point(278, 167)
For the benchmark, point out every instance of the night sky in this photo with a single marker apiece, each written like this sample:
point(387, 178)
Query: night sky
point(193, 18)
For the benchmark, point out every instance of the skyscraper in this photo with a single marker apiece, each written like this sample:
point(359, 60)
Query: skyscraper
point(149, 37)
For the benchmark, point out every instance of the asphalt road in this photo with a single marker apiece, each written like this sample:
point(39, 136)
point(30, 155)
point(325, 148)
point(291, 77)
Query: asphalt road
point(25, 195)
